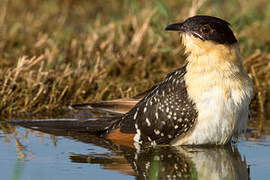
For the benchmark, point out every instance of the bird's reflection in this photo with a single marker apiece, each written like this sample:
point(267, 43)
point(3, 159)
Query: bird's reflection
point(163, 162)
point(172, 162)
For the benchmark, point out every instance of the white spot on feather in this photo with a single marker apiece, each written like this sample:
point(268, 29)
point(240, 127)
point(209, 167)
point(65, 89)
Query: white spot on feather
point(156, 114)
point(135, 115)
point(157, 132)
point(148, 122)
point(137, 137)
point(145, 109)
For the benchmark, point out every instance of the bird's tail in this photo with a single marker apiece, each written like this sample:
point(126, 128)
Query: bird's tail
point(99, 126)
point(97, 118)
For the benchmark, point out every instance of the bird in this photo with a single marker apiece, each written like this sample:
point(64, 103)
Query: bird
point(205, 102)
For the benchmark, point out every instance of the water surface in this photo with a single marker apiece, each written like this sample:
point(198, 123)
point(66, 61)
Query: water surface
point(29, 154)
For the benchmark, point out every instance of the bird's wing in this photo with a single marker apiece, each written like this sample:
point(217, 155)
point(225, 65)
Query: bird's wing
point(163, 114)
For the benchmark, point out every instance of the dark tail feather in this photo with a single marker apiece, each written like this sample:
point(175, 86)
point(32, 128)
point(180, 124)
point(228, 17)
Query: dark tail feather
point(95, 126)
point(114, 107)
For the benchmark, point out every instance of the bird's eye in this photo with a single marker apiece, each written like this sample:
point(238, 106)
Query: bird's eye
point(205, 29)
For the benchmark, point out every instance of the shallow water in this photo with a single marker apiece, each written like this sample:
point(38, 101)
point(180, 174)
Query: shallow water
point(29, 154)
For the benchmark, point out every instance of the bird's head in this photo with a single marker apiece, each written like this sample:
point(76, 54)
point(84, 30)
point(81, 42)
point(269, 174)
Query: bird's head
point(201, 33)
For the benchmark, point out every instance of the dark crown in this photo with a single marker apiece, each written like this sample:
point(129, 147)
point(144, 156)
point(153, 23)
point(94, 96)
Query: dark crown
point(206, 28)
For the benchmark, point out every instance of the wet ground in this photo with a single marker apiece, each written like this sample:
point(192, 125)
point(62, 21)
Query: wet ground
point(29, 154)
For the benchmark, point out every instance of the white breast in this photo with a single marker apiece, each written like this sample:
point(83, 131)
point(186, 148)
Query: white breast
point(221, 90)
point(219, 118)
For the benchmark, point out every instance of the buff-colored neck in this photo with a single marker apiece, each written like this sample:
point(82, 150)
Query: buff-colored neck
point(213, 65)
point(207, 55)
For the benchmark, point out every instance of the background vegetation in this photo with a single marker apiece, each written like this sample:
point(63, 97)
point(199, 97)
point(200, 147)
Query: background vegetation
point(57, 52)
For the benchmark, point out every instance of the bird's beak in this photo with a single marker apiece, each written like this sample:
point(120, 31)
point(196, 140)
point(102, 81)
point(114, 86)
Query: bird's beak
point(176, 27)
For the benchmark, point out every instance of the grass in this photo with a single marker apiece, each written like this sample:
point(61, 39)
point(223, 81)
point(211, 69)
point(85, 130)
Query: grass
point(54, 53)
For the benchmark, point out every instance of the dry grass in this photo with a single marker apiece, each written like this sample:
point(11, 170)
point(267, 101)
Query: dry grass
point(54, 53)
